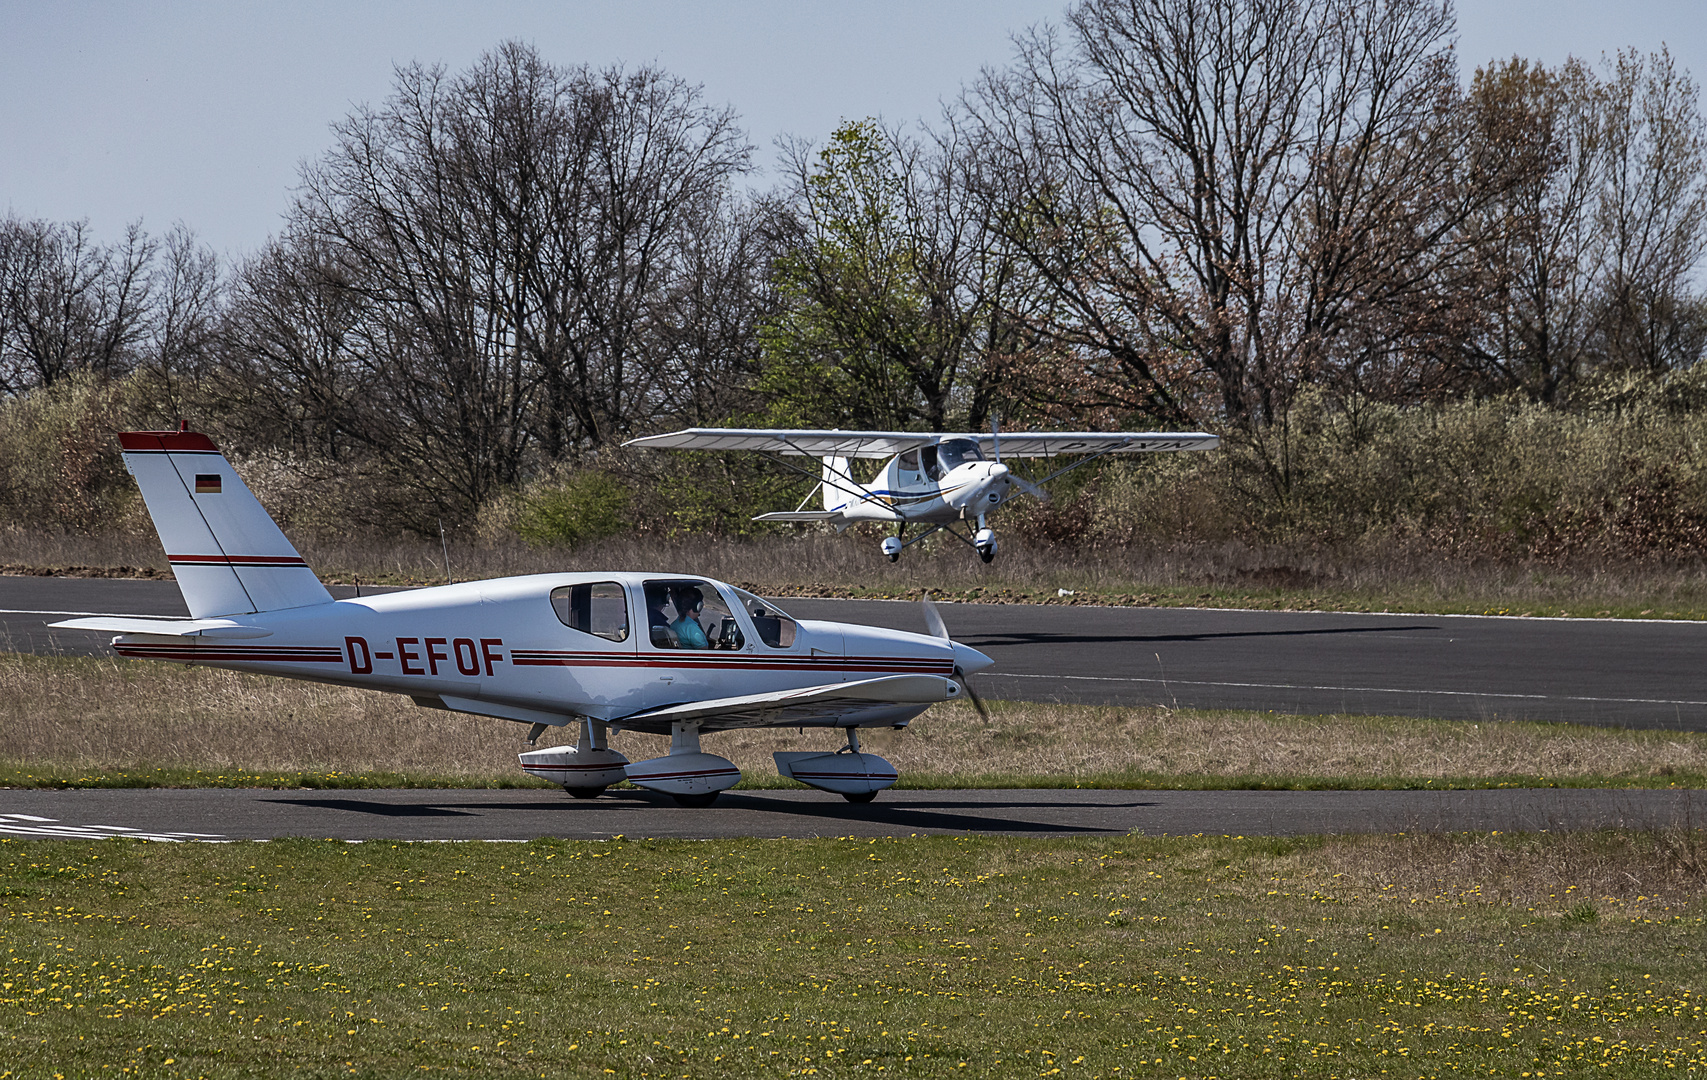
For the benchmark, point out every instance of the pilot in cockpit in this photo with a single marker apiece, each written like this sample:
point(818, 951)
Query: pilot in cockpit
point(689, 633)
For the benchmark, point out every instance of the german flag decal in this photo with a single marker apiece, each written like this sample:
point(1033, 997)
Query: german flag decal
point(207, 483)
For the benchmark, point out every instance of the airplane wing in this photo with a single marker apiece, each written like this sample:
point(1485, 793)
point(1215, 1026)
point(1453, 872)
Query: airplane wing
point(834, 517)
point(793, 706)
point(1035, 444)
point(212, 629)
point(798, 442)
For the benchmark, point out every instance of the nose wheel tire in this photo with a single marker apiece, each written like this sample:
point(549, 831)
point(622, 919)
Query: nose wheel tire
point(860, 796)
point(585, 792)
point(696, 800)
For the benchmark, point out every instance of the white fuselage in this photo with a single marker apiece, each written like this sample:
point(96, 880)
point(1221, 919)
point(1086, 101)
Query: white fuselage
point(902, 494)
point(498, 647)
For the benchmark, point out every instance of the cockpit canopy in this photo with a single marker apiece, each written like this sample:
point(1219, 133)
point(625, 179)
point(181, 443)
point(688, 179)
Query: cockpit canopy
point(936, 462)
point(952, 453)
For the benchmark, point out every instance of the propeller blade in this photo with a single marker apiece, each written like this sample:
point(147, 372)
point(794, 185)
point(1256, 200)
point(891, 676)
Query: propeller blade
point(996, 435)
point(1029, 488)
point(933, 620)
point(977, 702)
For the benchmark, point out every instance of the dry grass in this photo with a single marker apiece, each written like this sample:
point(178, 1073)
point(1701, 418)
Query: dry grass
point(808, 563)
point(1549, 874)
point(71, 719)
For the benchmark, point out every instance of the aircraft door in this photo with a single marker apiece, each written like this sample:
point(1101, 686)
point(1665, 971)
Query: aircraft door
point(693, 635)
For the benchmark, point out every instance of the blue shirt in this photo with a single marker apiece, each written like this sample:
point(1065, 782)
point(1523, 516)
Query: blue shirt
point(689, 634)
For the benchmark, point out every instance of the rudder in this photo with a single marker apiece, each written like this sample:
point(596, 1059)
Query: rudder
point(226, 551)
point(839, 487)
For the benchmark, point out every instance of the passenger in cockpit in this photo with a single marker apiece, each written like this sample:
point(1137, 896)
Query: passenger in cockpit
point(689, 633)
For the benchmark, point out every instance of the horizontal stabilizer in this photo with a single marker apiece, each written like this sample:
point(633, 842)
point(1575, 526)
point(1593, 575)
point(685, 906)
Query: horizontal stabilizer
point(810, 703)
point(211, 629)
point(834, 517)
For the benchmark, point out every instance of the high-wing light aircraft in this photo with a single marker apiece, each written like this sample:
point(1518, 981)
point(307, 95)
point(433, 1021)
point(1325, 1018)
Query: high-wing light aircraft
point(933, 480)
point(664, 653)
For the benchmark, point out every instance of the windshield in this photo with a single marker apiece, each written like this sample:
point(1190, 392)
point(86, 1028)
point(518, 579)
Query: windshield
point(956, 452)
point(775, 626)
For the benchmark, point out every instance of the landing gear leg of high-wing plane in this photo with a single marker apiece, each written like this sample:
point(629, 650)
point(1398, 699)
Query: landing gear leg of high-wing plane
point(686, 774)
point(984, 540)
point(893, 545)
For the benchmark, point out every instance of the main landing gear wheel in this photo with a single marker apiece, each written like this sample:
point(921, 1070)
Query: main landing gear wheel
point(585, 792)
point(987, 556)
point(697, 800)
point(859, 796)
point(892, 547)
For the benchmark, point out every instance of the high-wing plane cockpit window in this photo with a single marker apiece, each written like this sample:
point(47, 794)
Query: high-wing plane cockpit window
point(909, 461)
point(599, 609)
point(775, 626)
point(954, 452)
point(689, 614)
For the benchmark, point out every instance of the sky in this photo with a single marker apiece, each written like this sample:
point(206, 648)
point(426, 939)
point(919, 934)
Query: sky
point(202, 113)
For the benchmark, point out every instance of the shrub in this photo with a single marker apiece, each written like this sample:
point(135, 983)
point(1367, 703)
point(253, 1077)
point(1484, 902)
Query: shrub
point(572, 510)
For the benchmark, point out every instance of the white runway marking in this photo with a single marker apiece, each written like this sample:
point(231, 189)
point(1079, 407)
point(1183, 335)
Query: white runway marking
point(1348, 689)
point(51, 829)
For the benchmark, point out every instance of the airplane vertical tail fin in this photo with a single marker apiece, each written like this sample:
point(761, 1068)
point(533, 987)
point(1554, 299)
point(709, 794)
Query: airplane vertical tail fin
point(226, 552)
point(839, 487)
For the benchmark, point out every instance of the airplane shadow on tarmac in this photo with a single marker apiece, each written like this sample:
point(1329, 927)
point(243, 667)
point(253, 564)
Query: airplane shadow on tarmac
point(1045, 637)
point(936, 815)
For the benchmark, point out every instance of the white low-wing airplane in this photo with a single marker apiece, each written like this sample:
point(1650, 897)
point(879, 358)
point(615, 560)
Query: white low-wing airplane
point(669, 654)
point(934, 480)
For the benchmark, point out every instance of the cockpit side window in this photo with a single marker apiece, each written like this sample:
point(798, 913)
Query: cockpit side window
point(955, 452)
point(689, 614)
point(599, 609)
point(927, 457)
point(775, 626)
point(909, 461)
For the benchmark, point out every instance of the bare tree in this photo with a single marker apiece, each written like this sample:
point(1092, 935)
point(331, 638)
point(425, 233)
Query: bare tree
point(294, 373)
point(512, 233)
point(1539, 252)
point(1228, 198)
point(68, 303)
point(182, 319)
point(891, 284)
point(1652, 215)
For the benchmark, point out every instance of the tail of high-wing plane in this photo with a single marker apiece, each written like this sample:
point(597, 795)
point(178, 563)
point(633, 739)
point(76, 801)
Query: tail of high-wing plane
point(839, 487)
point(226, 552)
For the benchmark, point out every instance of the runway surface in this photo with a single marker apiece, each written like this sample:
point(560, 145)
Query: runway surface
point(1633, 673)
point(248, 814)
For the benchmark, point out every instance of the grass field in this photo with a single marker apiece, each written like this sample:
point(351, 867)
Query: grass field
point(1230, 575)
point(1424, 956)
point(114, 722)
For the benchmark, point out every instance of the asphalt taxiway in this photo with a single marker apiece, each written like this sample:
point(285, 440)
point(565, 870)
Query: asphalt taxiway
point(1631, 673)
point(519, 815)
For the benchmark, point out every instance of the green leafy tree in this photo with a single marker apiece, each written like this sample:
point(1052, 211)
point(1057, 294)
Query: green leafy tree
point(887, 290)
